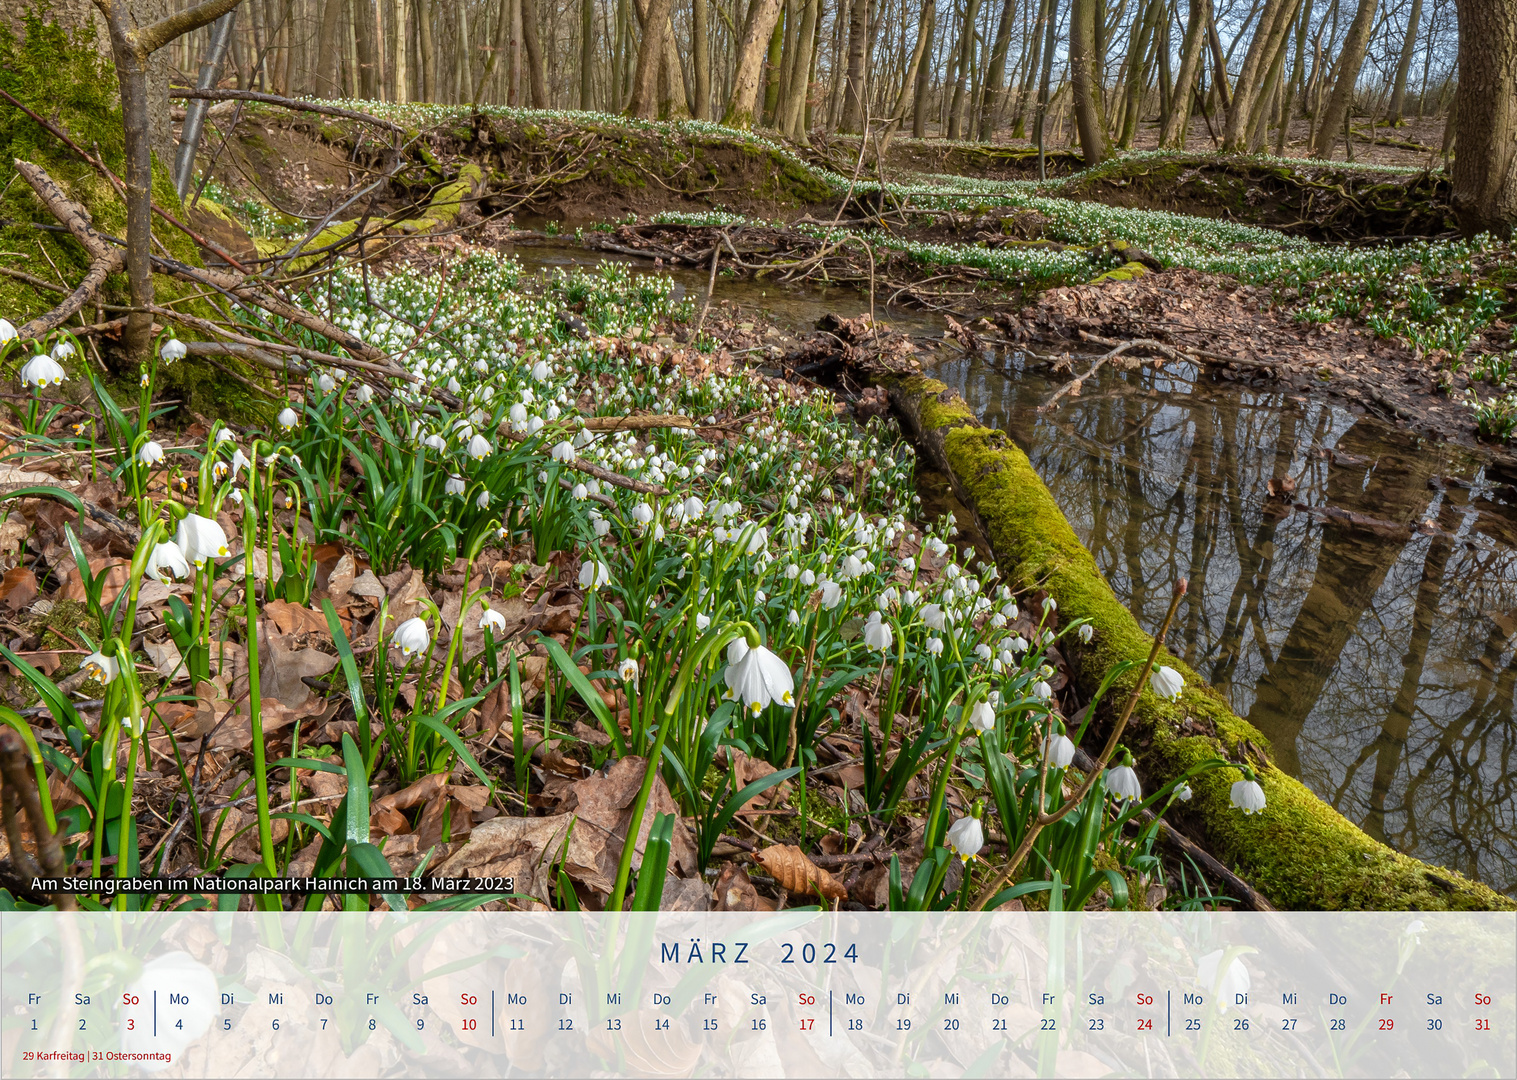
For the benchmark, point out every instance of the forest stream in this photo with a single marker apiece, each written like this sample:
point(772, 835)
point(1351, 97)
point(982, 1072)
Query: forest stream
point(1363, 615)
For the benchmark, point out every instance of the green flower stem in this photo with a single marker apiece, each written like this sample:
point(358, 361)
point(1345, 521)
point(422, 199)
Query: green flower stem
point(458, 634)
point(712, 642)
point(151, 531)
point(255, 700)
point(136, 710)
point(930, 836)
point(1044, 818)
point(107, 777)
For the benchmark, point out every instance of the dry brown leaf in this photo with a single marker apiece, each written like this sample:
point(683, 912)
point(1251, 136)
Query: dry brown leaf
point(531, 846)
point(11, 474)
point(117, 573)
point(789, 866)
point(282, 669)
point(406, 595)
point(439, 813)
point(367, 586)
point(475, 798)
point(46, 661)
point(342, 576)
point(604, 803)
point(426, 788)
point(18, 587)
point(734, 890)
point(150, 593)
point(13, 531)
point(685, 894)
point(236, 731)
point(850, 777)
point(165, 657)
point(647, 1048)
point(291, 618)
point(390, 822)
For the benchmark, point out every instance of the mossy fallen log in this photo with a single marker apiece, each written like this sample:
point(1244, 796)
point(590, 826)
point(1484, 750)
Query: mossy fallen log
point(1300, 852)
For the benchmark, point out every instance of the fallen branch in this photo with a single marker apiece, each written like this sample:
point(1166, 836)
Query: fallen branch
point(640, 422)
point(1170, 352)
point(126, 529)
point(366, 358)
point(241, 345)
point(579, 464)
point(373, 360)
point(105, 259)
point(245, 351)
point(1073, 386)
point(284, 103)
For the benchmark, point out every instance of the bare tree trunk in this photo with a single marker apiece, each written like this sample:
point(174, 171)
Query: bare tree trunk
point(1335, 115)
point(1166, 79)
point(1141, 37)
point(1258, 123)
point(793, 123)
point(774, 64)
point(1485, 164)
point(650, 54)
point(1408, 47)
point(1269, 40)
point(513, 57)
point(1089, 118)
point(1050, 39)
point(134, 40)
point(966, 60)
point(368, 64)
point(1034, 63)
point(587, 54)
point(502, 36)
point(909, 79)
point(1296, 79)
point(535, 53)
point(853, 87)
point(131, 71)
point(924, 71)
point(701, 59)
point(400, 29)
point(425, 10)
point(750, 63)
point(1219, 60)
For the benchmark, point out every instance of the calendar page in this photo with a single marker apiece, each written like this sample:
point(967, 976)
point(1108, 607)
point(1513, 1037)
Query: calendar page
point(792, 994)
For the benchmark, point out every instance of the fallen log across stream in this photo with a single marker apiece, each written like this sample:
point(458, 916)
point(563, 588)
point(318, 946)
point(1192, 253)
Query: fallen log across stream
point(1301, 853)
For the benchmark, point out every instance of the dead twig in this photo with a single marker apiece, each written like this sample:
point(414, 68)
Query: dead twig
point(1073, 386)
point(639, 422)
point(21, 793)
point(284, 103)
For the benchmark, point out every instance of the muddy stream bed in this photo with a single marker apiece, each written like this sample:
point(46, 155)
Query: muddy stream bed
point(1362, 614)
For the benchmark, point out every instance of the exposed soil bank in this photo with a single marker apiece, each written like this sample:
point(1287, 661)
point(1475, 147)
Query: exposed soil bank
point(1252, 338)
point(571, 168)
point(1312, 199)
point(1321, 200)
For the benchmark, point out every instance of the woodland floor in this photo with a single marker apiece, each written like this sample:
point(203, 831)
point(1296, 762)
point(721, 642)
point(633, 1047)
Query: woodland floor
point(814, 834)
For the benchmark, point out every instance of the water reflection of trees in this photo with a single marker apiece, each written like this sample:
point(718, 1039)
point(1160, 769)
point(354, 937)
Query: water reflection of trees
point(1380, 663)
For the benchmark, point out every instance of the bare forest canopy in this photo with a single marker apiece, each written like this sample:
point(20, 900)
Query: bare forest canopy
point(1296, 77)
point(982, 67)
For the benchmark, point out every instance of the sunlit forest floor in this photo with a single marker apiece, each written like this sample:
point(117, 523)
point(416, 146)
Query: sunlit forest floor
point(614, 555)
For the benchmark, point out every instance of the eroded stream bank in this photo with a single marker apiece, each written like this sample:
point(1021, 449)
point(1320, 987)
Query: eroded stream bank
point(1364, 619)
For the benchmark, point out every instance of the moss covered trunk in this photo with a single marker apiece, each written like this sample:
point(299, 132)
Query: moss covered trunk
point(1300, 852)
